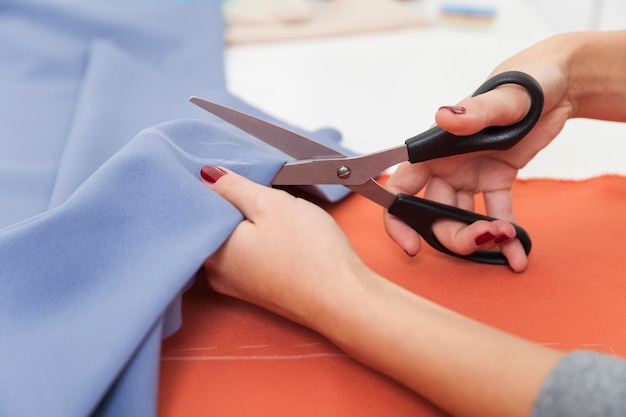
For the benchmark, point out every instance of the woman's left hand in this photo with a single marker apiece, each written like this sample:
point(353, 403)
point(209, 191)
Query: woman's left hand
point(286, 256)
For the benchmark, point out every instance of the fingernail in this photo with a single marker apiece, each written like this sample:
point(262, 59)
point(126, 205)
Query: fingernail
point(211, 173)
point(454, 109)
point(501, 238)
point(410, 255)
point(484, 238)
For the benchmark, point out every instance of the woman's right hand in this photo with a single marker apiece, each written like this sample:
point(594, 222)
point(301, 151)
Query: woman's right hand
point(455, 180)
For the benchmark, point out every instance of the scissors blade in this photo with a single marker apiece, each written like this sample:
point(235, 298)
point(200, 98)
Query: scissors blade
point(286, 141)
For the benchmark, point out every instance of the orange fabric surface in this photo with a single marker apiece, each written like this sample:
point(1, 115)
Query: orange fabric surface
point(233, 359)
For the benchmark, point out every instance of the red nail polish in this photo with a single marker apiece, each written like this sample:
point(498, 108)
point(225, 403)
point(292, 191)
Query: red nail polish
point(454, 109)
point(501, 238)
point(211, 173)
point(484, 238)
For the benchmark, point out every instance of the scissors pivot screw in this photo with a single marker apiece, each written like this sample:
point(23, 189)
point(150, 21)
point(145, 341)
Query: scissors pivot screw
point(343, 172)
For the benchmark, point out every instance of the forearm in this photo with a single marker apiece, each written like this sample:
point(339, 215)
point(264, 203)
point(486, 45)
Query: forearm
point(463, 366)
point(597, 75)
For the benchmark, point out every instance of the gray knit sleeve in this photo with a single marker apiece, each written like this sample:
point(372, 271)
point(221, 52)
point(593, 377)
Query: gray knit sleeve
point(584, 384)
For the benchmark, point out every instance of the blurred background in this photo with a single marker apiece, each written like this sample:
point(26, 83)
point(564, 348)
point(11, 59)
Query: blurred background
point(377, 70)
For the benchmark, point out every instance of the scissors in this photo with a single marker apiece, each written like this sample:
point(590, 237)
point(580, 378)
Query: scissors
point(316, 163)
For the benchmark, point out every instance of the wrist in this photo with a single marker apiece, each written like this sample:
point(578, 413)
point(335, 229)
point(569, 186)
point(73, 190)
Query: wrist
point(596, 74)
point(329, 306)
point(367, 320)
point(340, 311)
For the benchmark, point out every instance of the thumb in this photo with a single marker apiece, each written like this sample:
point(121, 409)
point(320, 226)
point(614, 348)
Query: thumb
point(234, 188)
point(502, 106)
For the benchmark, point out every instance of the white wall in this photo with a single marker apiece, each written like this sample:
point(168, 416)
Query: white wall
point(613, 14)
point(572, 15)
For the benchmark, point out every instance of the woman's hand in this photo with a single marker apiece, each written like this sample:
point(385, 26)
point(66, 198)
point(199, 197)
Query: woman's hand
point(457, 179)
point(288, 254)
point(290, 257)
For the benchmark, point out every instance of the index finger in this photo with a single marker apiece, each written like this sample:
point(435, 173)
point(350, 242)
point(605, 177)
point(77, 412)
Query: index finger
point(249, 197)
point(408, 178)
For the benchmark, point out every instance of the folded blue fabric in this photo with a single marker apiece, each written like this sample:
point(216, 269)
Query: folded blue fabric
point(101, 235)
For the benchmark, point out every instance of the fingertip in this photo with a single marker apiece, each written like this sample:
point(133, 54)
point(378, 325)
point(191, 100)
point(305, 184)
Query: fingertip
point(234, 188)
point(505, 231)
point(455, 110)
point(411, 247)
point(459, 119)
point(210, 174)
point(514, 252)
point(503, 235)
point(405, 237)
point(501, 106)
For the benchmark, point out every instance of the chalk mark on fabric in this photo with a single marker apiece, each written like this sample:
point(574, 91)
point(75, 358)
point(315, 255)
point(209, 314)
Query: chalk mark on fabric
point(255, 357)
point(595, 346)
point(312, 355)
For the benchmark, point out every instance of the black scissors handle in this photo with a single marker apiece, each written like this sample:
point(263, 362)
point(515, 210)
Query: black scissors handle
point(421, 214)
point(438, 143)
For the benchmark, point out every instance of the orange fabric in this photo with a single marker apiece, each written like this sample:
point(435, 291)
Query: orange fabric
point(233, 359)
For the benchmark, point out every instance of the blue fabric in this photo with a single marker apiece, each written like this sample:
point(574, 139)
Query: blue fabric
point(104, 220)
